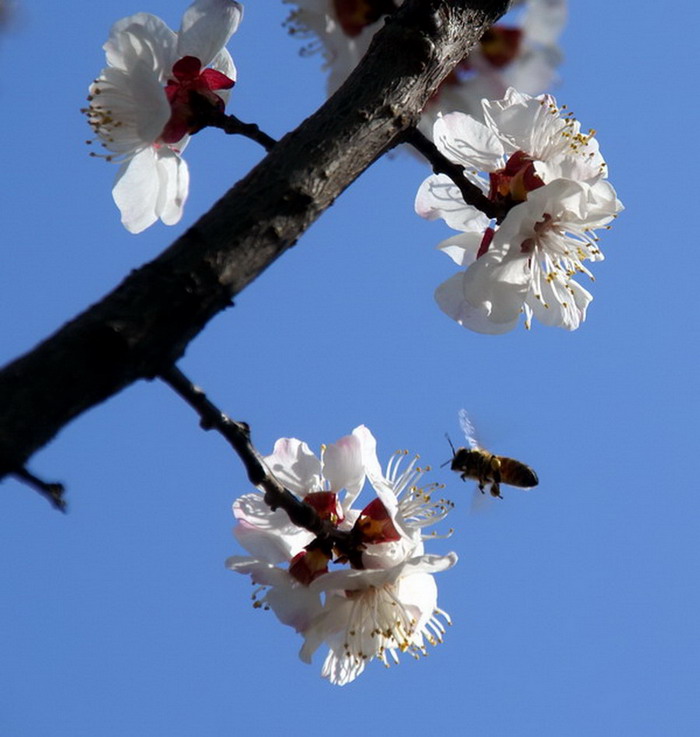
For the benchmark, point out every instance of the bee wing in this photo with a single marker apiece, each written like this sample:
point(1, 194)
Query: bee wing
point(481, 503)
point(468, 429)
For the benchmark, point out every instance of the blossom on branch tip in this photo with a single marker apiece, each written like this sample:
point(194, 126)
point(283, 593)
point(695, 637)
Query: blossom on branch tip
point(159, 88)
point(375, 603)
point(551, 181)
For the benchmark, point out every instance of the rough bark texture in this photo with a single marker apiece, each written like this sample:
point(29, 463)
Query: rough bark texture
point(145, 324)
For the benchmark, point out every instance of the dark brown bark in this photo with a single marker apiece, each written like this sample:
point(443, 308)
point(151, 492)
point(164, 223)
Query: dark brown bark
point(145, 324)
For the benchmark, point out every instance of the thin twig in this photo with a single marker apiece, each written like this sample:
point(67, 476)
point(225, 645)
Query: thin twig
point(232, 125)
point(471, 194)
point(237, 434)
point(52, 491)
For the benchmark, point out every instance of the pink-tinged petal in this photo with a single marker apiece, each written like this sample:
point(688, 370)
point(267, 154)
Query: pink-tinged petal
point(174, 184)
point(468, 142)
point(451, 300)
point(136, 190)
point(141, 37)
point(206, 27)
point(295, 466)
point(343, 467)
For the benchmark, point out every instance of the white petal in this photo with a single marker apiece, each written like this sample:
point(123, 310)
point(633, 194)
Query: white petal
point(262, 573)
point(498, 285)
point(139, 37)
point(439, 197)
point(135, 104)
point(468, 142)
point(295, 466)
point(368, 444)
point(525, 123)
point(174, 178)
point(462, 248)
point(293, 604)
point(207, 25)
point(267, 535)
point(340, 670)
point(450, 298)
point(296, 606)
point(136, 189)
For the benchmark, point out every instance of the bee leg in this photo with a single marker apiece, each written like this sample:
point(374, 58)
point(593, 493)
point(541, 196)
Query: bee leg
point(496, 477)
point(481, 486)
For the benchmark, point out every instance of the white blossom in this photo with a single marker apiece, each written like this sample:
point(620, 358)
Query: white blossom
point(552, 181)
point(390, 590)
point(140, 103)
point(371, 614)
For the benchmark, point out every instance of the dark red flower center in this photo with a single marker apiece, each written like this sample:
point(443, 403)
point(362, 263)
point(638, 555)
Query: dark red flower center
point(192, 98)
point(510, 187)
point(375, 525)
point(354, 15)
point(308, 565)
point(511, 184)
point(326, 505)
point(498, 46)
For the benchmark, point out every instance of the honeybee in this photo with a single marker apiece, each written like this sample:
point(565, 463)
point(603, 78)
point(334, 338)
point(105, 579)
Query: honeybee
point(487, 468)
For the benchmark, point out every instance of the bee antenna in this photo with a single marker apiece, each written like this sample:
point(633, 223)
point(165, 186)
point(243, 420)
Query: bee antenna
point(454, 452)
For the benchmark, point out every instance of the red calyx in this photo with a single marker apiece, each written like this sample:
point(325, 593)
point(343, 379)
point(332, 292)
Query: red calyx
point(192, 98)
point(375, 525)
point(500, 45)
point(308, 565)
point(326, 505)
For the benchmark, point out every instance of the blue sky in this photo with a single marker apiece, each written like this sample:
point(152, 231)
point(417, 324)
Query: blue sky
point(574, 605)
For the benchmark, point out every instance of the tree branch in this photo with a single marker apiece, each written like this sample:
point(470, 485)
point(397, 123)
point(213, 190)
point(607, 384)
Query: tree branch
point(145, 324)
point(237, 434)
point(233, 126)
point(51, 490)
